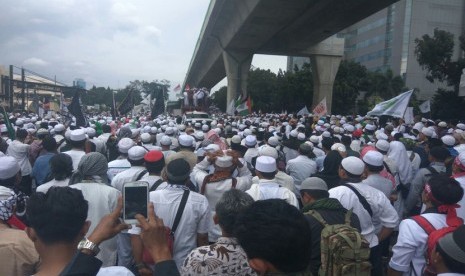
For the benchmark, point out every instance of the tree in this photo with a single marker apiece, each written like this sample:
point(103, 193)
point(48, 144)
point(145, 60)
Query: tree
point(351, 78)
point(384, 84)
point(261, 87)
point(219, 98)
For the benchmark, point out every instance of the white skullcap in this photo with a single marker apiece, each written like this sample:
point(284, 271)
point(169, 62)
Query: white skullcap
point(77, 135)
point(294, 133)
point(165, 141)
point(268, 151)
point(125, 144)
point(461, 126)
point(136, 153)
point(212, 148)
point(68, 134)
point(90, 132)
point(353, 165)
point(381, 136)
point(301, 136)
point(427, 131)
point(42, 131)
point(247, 132)
point(314, 139)
point(186, 140)
point(224, 161)
point(370, 127)
point(339, 147)
point(273, 141)
point(418, 126)
point(59, 127)
point(199, 135)
point(153, 130)
point(349, 128)
point(19, 122)
point(265, 164)
point(320, 122)
point(145, 137)
point(3, 128)
point(205, 127)
point(442, 124)
point(9, 167)
point(134, 132)
point(373, 158)
point(383, 145)
point(169, 131)
point(448, 140)
point(236, 139)
point(326, 134)
point(250, 140)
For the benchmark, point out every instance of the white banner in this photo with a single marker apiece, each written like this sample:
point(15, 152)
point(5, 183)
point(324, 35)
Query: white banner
point(303, 111)
point(321, 109)
point(425, 107)
point(408, 116)
point(394, 107)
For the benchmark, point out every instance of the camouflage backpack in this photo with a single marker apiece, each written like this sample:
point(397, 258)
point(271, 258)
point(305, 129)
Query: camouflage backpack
point(344, 251)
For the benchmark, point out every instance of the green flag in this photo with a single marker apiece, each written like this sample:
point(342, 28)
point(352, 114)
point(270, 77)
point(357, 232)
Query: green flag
point(11, 131)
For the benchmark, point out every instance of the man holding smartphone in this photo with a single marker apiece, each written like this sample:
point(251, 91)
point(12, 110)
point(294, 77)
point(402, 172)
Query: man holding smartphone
point(195, 222)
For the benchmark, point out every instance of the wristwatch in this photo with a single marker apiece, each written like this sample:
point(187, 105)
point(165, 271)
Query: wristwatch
point(86, 244)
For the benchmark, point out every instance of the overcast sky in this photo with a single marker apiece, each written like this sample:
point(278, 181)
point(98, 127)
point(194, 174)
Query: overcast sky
point(106, 42)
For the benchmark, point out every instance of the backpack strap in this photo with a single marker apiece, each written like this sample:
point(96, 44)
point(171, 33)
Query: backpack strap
point(424, 224)
point(182, 205)
point(432, 170)
point(347, 217)
point(156, 185)
point(387, 168)
point(317, 216)
point(361, 198)
point(141, 174)
point(204, 183)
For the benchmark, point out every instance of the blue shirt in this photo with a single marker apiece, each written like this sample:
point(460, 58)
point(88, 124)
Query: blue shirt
point(41, 168)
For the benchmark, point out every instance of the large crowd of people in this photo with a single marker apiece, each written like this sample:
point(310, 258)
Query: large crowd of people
point(259, 195)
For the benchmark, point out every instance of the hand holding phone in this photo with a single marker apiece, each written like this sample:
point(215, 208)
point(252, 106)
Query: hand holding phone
point(135, 199)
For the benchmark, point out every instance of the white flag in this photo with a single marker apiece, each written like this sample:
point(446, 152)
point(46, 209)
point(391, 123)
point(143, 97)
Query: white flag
point(408, 116)
point(321, 109)
point(303, 111)
point(394, 107)
point(425, 107)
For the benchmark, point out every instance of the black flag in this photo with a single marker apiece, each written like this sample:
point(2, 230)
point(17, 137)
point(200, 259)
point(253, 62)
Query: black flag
point(75, 108)
point(127, 104)
point(159, 106)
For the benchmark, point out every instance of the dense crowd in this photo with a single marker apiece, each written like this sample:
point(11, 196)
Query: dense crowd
point(255, 195)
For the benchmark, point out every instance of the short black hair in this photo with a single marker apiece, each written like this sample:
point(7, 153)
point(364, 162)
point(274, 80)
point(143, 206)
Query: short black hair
point(445, 189)
point(77, 144)
point(21, 133)
point(350, 175)
point(316, 194)
point(155, 167)
point(453, 265)
point(106, 129)
point(136, 162)
point(9, 182)
point(61, 166)
point(372, 168)
point(57, 216)
point(228, 208)
point(439, 153)
point(49, 144)
point(277, 232)
point(327, 143)
point(269, 175)
point(346, 140)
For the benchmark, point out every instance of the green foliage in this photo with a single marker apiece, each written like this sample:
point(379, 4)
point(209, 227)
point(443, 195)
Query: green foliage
point(350, 79)
point(384, 84)
point(219, 98)
point(448, 105)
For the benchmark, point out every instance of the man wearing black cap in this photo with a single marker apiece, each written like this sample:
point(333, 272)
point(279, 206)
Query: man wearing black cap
point(195, 222)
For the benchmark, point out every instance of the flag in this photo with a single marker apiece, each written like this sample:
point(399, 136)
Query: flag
point(231, 108)
point(394, 107)
point(320, 109)
point(127, 104)
point(159, 106)
point(75, 109)
point(425, 107)
point(11, 130)
point(303, 111)
point(408, 116)
point(113, 106)
point(177, 88)
point(244, 107)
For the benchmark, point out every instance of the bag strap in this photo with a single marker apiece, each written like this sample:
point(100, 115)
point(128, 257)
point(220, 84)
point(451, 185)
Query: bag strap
point(182, 205)
point(141, 174)
point(317, 216)
point(424, 223)
point(156, 185)
point(432, 170)
point(206, 180)
point(361, 198)
point(412, 156)
point(387, 168)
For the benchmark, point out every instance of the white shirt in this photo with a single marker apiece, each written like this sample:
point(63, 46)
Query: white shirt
point(380, 183)
point(249, 154)
point(52, 183)
point(151, 179)
point(128, 175)
point(20, 152)
point(412, 244)
point(76, 156)
point(196, 218)
point(267, 189)
point(116, 166)
point(300, 168)
point(102, 201)
point(461, 210)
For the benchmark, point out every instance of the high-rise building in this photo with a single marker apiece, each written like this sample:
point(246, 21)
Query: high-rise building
point(79, 83)
point(386, 39)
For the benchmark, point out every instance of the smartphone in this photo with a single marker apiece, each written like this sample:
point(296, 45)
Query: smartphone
point(135, 200)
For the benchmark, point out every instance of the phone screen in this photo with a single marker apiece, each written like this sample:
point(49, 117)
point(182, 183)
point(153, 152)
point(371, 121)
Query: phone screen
point(135, 201)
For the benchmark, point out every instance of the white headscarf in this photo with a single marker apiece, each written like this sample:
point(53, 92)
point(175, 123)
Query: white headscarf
point(398, 153)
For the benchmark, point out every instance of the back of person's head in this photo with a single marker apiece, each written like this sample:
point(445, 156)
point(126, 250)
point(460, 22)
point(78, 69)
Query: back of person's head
point(177, 171)
point(327, 143)
point(346, 140)
point(21, 134)
point(275, 232)
point(444, 190)
point(450, 249)
point(106, 129)
point(154, 161)
point(230, 205)
point(439, 153)
point(61, 166)
point(49, 144)
point(57, 216)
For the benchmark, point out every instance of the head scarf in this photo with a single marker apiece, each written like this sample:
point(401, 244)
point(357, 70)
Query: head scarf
point(7, 203)
point(213, 136)
point(398, 153)
point(331, 163)
point(93, 164)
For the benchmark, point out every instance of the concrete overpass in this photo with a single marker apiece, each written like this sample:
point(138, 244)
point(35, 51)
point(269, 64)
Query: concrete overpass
point(233, 31)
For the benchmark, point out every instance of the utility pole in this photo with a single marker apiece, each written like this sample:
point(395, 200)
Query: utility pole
point(23, 80)
point(11, 88)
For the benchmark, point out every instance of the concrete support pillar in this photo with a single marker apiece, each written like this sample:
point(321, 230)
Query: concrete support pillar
point(324, 69)
point(237, 66)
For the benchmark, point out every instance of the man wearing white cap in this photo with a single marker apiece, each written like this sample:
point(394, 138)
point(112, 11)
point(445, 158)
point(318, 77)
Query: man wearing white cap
point(136, 159)
point(449, 142)
point(377, 216)
point(267, 187)
point(77, 139)
point(302, 166)
point(165, 143)
point(458, 172)
point(252, 151)
point(373, 166)
point(121, 163)
point(59, 133)
point(146, 140)
point(281, 177)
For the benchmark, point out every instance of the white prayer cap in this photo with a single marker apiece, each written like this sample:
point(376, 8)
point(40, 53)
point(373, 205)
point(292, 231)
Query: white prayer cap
point(326, 125)
point(294, 133)
point(326, 134)
point(169, 131)
point(353, 165)
point(250, 140)
point(313, 183)
point(125, 144)
point(349, 128)
point(383, 145)
point(134, 132)
point(146, 129)
point(181, 127)
point(78, 135)
point(217, 130)
point(199, 135)
point(461, 126)
point(165, 141)
point(145, 137)
point(236, 139)
point(373, 158)
point(442, 124)
point(212, 148)
point(19, 122)
point(418, 126)
point(186, 140)
point(265, 164)
point(247, 132)
point(90, 132)
point(301, 136)
point(320, 122)
point(370, 127)
point(153, 130)
point(337, 129)
point(42, 131)
point(314, 139)
point(273, 141)
point(268, 151)
point(9, 167)
point(242, 126)
point(68, 133)
point(205, 127)
point(224, 161)
point(339, 147)
point(59, 127)
point(3, 128)
point(448, 140)
point(136, 153)
point(427, 131)
point(381, 136)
